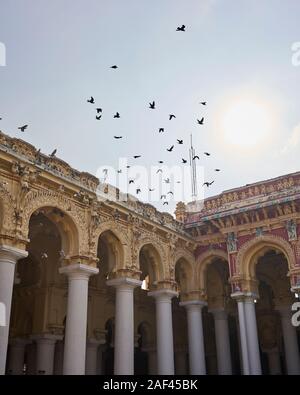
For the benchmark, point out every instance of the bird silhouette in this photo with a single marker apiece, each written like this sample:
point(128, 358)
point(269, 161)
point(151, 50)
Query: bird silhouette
point(151, 190)
point(207, 153)
point(98, 110)
point(184, 160)
point(208, 183)
point(117, 115)
point(119, 171)
point(114, 66)
point(118, 137)
point(137, 156)
point(152, 105)
point(160, 161)
point(22, 128)
point(181, 29)
point(217, 169)
point(98, 117)
point(203, 103)
point(179, 141)
point(171, 116)
point(159, 171)
point(163, 197)
point(138, 191)
point(170, 149)
point(165, 203)
point(131, 181)
point(200, 122)
point(53, 153)
point(196, 157)
point(91, 100)
point(170, 193)
point(161, 130)
point(105, 171)
point(167, 180)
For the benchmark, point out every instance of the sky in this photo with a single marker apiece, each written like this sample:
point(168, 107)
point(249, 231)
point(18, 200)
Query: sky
point(236, 55)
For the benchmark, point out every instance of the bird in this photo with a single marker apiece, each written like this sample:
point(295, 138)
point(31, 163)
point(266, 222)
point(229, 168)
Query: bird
point(178, 182)
point(200, 122)
point(105, 171)
point(171, 116)
point(207, 153)
point(170, 193)
point(217, 169)
point(53, 153)
point(184, 160)
point(165, 203)
point(117, 115)
point(22, 128)
point(119, 171)
point(131, 181)
point(151, 190)
point(161, 130)
point(91, 100)
point(170, 149)
point(137, 156)
point(127, 167)
point(208, 183)
point(167, 180)
point(181, 29)
point(196, 157)
point(203, 103)
point(114, 66)
point(0, 119)
point(98, 110)
point(179, 141)
point(138, 191)
point(118, 137)
point(152, 105)
point(159, 171)
point(98, 117)
point(163, 197)
point(160, 161)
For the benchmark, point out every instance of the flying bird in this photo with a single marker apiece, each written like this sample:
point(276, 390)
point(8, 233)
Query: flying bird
point(22, 128)
point(118, 137)
point(179, 141)
point(91, 100)
point(117, 115)
point(151, 190)
point(119, 171)
point(137, 156)
point(152, 105)
point(196, 157)
point(171, 116)
point(170, 149)
point(53, 153)
point(161, 130)
point(98, 110)
point(114, 66)
point(200, 122)
point(131, 181)
point(165, 203)
point(167, 180)
point(184, 160)
point(138, 191)
point(105, 171)
point(217, 169)
point(163, 197)
point(160, 161)
point(170, 192)
point(207, 153)
point(208, 183)
point(203, 103)
point(98, 117)
point(159, 171)
point(181, 29)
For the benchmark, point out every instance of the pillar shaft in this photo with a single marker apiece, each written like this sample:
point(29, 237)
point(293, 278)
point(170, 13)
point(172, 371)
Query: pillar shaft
point(195, 336)
point(8, 258)
point(180, 362)
point(164, 331)
point(76, 323)
point(222, 342)
point(252, 336)
point(45, 348)
point(124, 325)
point(16, 356)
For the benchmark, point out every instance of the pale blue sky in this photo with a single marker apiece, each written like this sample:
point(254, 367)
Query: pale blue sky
point(59, 52)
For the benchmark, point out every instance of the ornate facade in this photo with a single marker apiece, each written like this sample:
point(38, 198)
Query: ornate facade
point(92, 285)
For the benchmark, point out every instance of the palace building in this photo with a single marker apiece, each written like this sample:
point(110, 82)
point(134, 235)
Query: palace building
point(97, 286)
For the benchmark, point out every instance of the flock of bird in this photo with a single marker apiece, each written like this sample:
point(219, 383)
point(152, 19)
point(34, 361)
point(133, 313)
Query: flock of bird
point(152, 106)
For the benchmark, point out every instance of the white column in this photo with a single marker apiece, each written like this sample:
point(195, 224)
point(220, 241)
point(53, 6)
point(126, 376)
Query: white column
point(252, 336)
point(180, 362)
point(195, 336)
point(76, 323)
point(164, 330)
point(16, 356)
point(274, 361)
point(291, 349)
point(8, 259)
point(45, 348)
point(58, 358)
point(124, 325)
point(92, 356)
point(222, 341)
point(239, 297)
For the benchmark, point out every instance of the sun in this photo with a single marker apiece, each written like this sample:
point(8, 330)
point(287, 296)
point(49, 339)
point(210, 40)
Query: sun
point(246, 122)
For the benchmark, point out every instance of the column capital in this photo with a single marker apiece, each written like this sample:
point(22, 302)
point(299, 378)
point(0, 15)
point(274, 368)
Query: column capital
point(11, 254)
point(163, 294)
point(193, 304)
point(247, 297)
point(46, 338)
point(78, 271)
point(124, 282)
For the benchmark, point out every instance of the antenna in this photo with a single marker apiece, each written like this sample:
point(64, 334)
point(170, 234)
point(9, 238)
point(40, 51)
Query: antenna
point(193, 171)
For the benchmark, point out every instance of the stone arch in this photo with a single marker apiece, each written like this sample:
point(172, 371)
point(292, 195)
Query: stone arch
point(250, 252)
point(185, 262)
point(202, 263)
point(158, 257)
point(71, 226)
